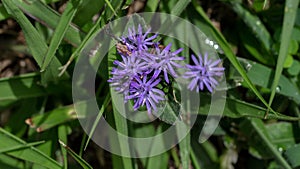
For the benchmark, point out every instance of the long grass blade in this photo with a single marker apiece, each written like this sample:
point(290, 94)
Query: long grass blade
point(60, 31)
point(18, 147)
point(50, 18)
point(62, 135)
point(104, 105)
point(30, 154)
point(80, 160)
point(290, 12)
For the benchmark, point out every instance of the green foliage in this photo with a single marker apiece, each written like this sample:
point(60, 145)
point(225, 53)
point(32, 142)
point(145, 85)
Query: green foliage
point(257, 40)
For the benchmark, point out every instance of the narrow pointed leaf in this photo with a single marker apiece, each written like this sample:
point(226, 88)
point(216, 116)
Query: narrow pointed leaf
point(60, 31)
point(80, 160)
point(30, 154)
point(290, 12)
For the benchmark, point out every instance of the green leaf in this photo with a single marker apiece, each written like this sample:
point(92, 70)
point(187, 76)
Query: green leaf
point(8, 162)
point(30, 154)
point(86, 11)
point(184, 144)
point(288, 61)
point(294, 69)
point(179, 7)
point(111, 7)
point(290, 12)
point(151, 6)
point(91, 34)
point(18, 147)
point(204, 154)
point(60, 31)
point(112, 10)
point(62, 135)
point(53, 118)
point(293, 47)
point(25, 108)
point(80, 160)
point(121, 125)
point(104, 105)
point(45, 15)
point(159, 161)
point(293, 155)
point(170, 112)
point(19, 87)
point(253, 46)
point(263, 76)
point(255, 24)
point(256, 133)
point(35, 42)
point(236, 109)
point(3, 14)
point(282, 134)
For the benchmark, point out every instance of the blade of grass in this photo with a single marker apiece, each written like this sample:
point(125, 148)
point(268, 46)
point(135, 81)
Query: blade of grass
point(151, 6)
point(180, 7)
point(175, 157)
point(7, 162)
point(60, 31)
point(30, 154)
point(82, 145)
point(229, 53)
point(104, 105)
point(109, 13)
point(111, 7)
point(290, 12)
point(62, 135)
point(80, 160)
point(3, 14)
point(236, 109)
point(159, 161)
point(24, 86)
point(35, 42)
point(266, 4)
point(37, 48)
point(122, 127)
point(184, 145)
point(194, 160)
point(91, 34)
point(49, 17)
point(18, 147)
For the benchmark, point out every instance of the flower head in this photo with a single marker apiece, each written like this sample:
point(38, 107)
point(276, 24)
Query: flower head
point(130, 67)
point(164, 60)
point(137, 41)
point(144, 92)
point(203, 73)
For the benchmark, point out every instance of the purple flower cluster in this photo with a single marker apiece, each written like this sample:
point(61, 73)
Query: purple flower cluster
point(137, 76)
point(144, 62)
point(203, 73)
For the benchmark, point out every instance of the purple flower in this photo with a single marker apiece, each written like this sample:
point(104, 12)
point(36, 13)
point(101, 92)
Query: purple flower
point(164, 60)
point(143, 92)
point(137, 41)
point(130, 67)
point(203, 73)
